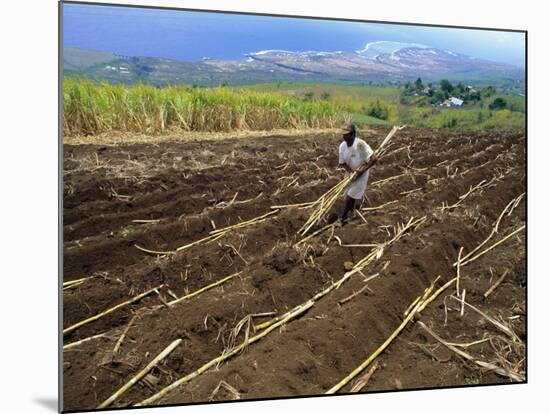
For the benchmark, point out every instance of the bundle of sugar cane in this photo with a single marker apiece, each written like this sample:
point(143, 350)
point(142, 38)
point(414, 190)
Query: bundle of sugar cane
point(324, 203)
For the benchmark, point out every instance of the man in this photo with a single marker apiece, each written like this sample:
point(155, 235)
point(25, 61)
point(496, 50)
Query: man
point(353, 153)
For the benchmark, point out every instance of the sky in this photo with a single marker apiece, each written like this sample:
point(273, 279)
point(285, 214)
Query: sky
point(191, 36)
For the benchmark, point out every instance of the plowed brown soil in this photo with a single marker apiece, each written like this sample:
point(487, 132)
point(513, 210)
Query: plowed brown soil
point(193, 187)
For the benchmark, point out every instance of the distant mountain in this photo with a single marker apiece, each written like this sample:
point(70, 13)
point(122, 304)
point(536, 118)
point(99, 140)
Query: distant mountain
point(382, 61)
point(82, 59)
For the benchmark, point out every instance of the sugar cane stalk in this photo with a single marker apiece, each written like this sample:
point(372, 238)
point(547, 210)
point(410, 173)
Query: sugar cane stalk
point(374, 254)
point(110, 310)
point(497, 283)
point(419, 305)
point(245, 223)
point(214, 235)
point(509, 208)
point(123, 335)
point(140, 374)
point(82, 341)
point(203, 289)
point(373, 356)
point(483, 364)
point(71, 282)
point(298, 311)
point(477, 256)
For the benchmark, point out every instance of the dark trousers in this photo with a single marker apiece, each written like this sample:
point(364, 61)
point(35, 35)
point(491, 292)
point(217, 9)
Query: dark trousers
point(349, 206)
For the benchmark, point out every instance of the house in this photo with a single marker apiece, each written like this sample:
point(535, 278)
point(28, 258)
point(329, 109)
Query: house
point(456, 101)
point(446, 103)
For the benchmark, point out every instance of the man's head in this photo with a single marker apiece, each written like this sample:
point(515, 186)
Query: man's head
point(348, 133)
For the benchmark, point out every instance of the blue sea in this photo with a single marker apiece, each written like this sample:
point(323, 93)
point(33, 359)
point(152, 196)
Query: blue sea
point(192, 36)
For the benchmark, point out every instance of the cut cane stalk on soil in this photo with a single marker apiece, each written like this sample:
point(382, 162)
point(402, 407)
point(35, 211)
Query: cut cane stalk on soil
point(206, 239)
point(110, 310)
point(362, 382)
point(458, 271)
point(203, 289)
point(435, 295)
point(499, 325)
point(140, 374)
point(298, 311)
point(82, 341)
point(374, 254)
point(308, 204)
point(373, 356)
point(236, 395)
point(123, 335)
point(497, 283)
point(214, 235)
point(415, 309)
point(483, 364)
point(411, 306)
point(315, 233)
point(73, 285)
point(246, 223)
point(463, 197)
point(465, 262)
point(353, 295)
point(508, 209)
point(71, 282)
point(380, 206)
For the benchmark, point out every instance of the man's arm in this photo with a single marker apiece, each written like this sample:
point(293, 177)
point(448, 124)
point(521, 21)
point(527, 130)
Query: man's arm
point(345, 167)
point(372, 160)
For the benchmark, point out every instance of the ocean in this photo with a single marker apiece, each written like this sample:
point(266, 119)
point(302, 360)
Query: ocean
point(192, 36)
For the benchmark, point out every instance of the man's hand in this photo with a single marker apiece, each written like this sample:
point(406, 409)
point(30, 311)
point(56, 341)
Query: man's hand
point(372, 160)
point(346, 167)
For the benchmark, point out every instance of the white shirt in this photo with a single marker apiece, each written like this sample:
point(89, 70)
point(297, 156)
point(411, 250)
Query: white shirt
point(355, 155)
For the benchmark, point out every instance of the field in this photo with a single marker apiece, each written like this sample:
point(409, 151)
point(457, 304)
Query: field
point(92, 108)
point(133, 211)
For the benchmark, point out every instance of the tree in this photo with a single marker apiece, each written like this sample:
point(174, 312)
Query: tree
point(308, 96)
point(498, 103)
point(438, 96)
point(475, 96)
point(378, 111)
point(325, 95)
point(418, 84)
point(446, 86)
point(488, 91)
